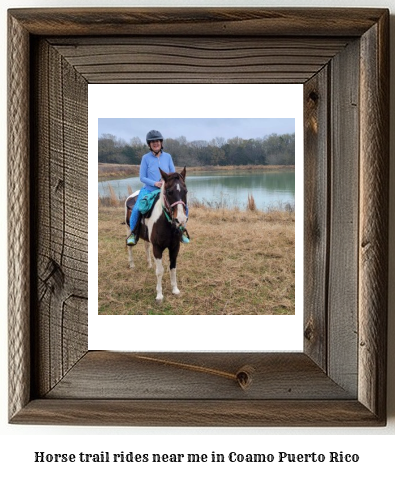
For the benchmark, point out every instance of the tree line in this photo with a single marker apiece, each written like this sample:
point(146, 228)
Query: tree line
point(270, 150)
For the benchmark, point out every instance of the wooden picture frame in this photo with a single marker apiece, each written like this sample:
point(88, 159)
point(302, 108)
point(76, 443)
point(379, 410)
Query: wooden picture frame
point(342, 58)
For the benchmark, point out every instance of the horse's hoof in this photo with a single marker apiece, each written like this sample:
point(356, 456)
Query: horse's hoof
point(176, 292)
point(131, 266)
point(159, 299)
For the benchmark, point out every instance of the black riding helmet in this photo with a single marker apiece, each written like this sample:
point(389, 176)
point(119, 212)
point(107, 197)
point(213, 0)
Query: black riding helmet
point(153, 135)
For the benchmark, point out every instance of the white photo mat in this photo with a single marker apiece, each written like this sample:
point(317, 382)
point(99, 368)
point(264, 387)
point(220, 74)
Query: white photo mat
point(193, 333)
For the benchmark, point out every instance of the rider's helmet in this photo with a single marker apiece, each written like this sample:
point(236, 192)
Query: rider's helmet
point(153, 135)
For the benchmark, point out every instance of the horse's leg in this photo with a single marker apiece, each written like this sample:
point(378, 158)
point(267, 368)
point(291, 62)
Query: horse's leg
point(147, 251)
point(173, 253)
point(173, 281)
point(159, 273)
point(130, 252)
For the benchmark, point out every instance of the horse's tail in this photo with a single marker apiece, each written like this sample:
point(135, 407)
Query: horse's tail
point(129, 204)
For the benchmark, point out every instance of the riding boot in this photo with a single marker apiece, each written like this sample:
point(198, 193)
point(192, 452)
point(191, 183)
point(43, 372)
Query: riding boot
point(133, 238)
point(185, 239)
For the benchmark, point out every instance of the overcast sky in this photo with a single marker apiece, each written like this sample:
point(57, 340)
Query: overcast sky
point(196, 129)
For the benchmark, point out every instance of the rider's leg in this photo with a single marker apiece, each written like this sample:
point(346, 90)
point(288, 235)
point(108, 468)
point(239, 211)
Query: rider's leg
point(134, 220)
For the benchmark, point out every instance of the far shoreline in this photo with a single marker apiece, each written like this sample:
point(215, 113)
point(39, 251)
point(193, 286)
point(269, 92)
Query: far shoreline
point(112, 171)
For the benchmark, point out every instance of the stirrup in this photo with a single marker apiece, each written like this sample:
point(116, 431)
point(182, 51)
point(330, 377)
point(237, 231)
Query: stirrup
point(131, 240)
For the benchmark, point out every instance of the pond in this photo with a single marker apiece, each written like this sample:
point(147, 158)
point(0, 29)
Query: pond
point(273, 189)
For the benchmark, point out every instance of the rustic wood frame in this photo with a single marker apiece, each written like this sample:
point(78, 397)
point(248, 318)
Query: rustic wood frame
point(342, 57)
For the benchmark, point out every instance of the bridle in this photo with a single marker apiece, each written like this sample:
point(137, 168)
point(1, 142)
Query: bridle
point(168, 209)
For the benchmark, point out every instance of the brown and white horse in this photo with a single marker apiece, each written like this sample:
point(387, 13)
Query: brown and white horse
point(164, 228)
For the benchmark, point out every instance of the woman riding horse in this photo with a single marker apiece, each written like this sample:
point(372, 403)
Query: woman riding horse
point(151, 178)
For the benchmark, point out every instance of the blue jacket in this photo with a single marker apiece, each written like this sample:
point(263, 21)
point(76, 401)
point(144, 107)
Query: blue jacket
point(149, 168)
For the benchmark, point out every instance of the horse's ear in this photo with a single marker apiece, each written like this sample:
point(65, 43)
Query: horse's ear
point(164, 175)
point(184, 173)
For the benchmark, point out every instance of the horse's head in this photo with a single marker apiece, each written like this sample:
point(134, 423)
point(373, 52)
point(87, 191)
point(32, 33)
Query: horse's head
point(175, 196)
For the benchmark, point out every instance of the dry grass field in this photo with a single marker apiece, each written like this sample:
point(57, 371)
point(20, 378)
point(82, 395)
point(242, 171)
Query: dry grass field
point(238, 262)
point(109, 171)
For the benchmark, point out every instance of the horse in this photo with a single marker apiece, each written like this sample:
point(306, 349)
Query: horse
point(164, 226)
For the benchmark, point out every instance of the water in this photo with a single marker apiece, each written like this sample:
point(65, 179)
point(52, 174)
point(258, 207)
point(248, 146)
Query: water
point(270, 189)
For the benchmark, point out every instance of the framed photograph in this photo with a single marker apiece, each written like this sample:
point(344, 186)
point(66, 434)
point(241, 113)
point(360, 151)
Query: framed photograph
point(341, 59)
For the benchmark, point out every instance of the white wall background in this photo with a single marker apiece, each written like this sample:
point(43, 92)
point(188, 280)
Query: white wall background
point(17, 450)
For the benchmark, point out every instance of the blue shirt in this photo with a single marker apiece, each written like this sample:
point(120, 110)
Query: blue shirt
point(149, 168)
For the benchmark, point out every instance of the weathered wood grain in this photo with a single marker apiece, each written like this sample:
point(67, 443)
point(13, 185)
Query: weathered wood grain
point(316, 214)
point(260, 22)
point(373, 233)
point(344, 196)
point(201, 413)
point(18, 218)
point(61, 220)
point(284, 376)
point(224, 60)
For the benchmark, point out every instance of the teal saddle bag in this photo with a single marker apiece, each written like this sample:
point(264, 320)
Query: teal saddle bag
point(147, 202)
